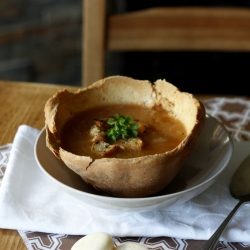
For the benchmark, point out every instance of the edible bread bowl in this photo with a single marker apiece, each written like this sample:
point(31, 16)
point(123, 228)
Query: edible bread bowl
point(134, 177)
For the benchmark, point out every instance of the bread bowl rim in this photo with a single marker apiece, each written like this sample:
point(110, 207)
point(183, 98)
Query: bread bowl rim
point(77, 163)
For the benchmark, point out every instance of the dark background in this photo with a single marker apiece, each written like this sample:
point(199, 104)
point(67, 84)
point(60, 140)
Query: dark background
point(195, 72)
point(41, 41)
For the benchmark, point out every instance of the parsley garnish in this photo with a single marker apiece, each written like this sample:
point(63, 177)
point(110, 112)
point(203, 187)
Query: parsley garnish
point(122, 127)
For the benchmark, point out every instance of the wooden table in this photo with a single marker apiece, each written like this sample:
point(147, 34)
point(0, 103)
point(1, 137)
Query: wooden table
point(23, 103)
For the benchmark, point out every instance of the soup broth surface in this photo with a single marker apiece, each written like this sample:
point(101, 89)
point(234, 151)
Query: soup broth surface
point(163, 134)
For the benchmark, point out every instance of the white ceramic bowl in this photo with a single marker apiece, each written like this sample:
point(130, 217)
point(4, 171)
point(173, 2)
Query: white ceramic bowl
point(209, 158)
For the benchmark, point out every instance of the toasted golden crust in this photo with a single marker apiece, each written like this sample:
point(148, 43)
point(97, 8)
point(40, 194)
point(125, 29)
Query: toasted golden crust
point(135, 177)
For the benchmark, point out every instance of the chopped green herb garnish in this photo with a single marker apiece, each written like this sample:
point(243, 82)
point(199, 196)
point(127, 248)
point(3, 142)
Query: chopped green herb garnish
point(121, 127)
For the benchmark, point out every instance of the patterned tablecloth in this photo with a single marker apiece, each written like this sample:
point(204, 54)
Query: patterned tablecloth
point(234, 113)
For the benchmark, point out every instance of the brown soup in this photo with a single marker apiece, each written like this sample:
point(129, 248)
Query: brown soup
point(164, 132)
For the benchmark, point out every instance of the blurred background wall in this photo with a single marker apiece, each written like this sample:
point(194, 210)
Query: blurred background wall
point(41, 41)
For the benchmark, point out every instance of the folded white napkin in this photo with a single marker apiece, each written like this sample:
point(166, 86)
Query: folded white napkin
point(30, 201)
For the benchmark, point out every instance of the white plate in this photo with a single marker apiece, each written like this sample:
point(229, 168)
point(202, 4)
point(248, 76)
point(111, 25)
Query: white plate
point(209, 158)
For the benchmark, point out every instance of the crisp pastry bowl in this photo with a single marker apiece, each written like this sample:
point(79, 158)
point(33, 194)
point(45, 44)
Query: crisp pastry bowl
point(133, 177)
point(209, 158)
